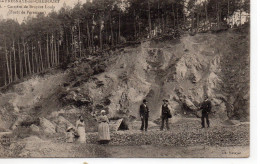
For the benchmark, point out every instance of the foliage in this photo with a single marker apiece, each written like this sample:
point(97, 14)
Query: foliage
point(60, 37)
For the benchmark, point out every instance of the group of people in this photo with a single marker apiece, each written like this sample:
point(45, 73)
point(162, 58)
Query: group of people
point(79, 132)
point(205, 107)
point(165, 115)
point(103, 127)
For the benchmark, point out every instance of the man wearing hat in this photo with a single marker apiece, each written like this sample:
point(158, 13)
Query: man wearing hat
point(166, 114)
point(206, 109)
point(144, 114)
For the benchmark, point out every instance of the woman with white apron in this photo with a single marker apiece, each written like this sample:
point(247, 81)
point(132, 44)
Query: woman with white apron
point(103, 128)
point(80, 126)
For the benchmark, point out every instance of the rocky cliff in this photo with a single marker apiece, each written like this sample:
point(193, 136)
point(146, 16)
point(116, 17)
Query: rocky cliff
point(180, 70)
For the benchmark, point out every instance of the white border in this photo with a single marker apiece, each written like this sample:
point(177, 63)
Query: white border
point(254, 105)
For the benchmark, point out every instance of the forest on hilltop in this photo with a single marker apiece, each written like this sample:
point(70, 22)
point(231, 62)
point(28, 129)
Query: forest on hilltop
point(44, 42)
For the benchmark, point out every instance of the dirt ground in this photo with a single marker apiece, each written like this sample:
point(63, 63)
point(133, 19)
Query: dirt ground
point(47, 149)
point(151, 151)
point(130, 143)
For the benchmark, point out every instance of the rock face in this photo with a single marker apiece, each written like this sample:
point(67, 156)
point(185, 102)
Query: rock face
point(182, 71)
point(16, 102)
point(47, 126)
point(62, 124)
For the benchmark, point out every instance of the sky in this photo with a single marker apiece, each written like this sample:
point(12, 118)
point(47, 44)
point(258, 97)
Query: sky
point(10, 10)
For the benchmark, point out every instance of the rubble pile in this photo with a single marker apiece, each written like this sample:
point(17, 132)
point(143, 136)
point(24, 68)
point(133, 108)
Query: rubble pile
point(180, 135)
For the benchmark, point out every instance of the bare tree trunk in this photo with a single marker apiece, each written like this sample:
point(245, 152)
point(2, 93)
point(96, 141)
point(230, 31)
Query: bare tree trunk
point(116, 38)
point(163, 24)
point(100, 36)
point(79, 40)
point(73, 49)
point(15, 73)
point(149, 19)
point(111, 28)
point(25, 61)
point(7, 65)
point(32, 57)
point(158, 14)
point(173, 16)
point(67, 47)
point(228, 8)
point(55, 51)
point(166, 19)
point(41, 58)
point(119, 27)
point(177, 17)
point(139, 29)
point(11, 68)
point(206, 15)
point(135, 24)
point(89, 38)
point(58, 53)
point(92, 38)
point(217, 6)
point(106, 37)
point(5, 74)
point(51, 51)
point(240, 12)
point(20, 60)
point(37, 58)
point(206, 11)
point(192, 21)
point(48, 57)
point(28, 60)
point(198, 21)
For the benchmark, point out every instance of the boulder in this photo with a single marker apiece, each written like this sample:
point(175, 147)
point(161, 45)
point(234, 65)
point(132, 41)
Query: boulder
point(34, 128)
point(47, 126)
point(114, 124)
point(190, 104)
point(62, 124)
point(18, 121)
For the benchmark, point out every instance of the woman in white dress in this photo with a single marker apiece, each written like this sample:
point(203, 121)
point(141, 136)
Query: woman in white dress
point(103, 128)
point(80, 126)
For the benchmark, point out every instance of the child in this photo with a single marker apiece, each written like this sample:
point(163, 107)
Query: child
point(70, 135)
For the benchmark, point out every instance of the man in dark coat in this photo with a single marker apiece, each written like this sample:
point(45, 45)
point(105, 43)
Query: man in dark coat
point(206, 109)
point(144, 114)
point(165, 114)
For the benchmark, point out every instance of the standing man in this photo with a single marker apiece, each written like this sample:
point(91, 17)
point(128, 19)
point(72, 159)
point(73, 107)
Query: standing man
point(206, 109)
point(166, 114)
point(144, 114)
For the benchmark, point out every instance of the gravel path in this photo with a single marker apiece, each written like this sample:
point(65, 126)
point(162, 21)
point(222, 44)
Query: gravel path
point(185, 134)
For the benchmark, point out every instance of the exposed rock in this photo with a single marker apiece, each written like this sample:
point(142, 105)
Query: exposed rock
point(18, 121)
point(34, 128)
point(114, 124)
point(190, 104)
point(62, 124)
point(47, 126)
point(76, 97)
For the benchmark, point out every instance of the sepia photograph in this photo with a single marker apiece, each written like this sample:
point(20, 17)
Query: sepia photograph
point(124, 79)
